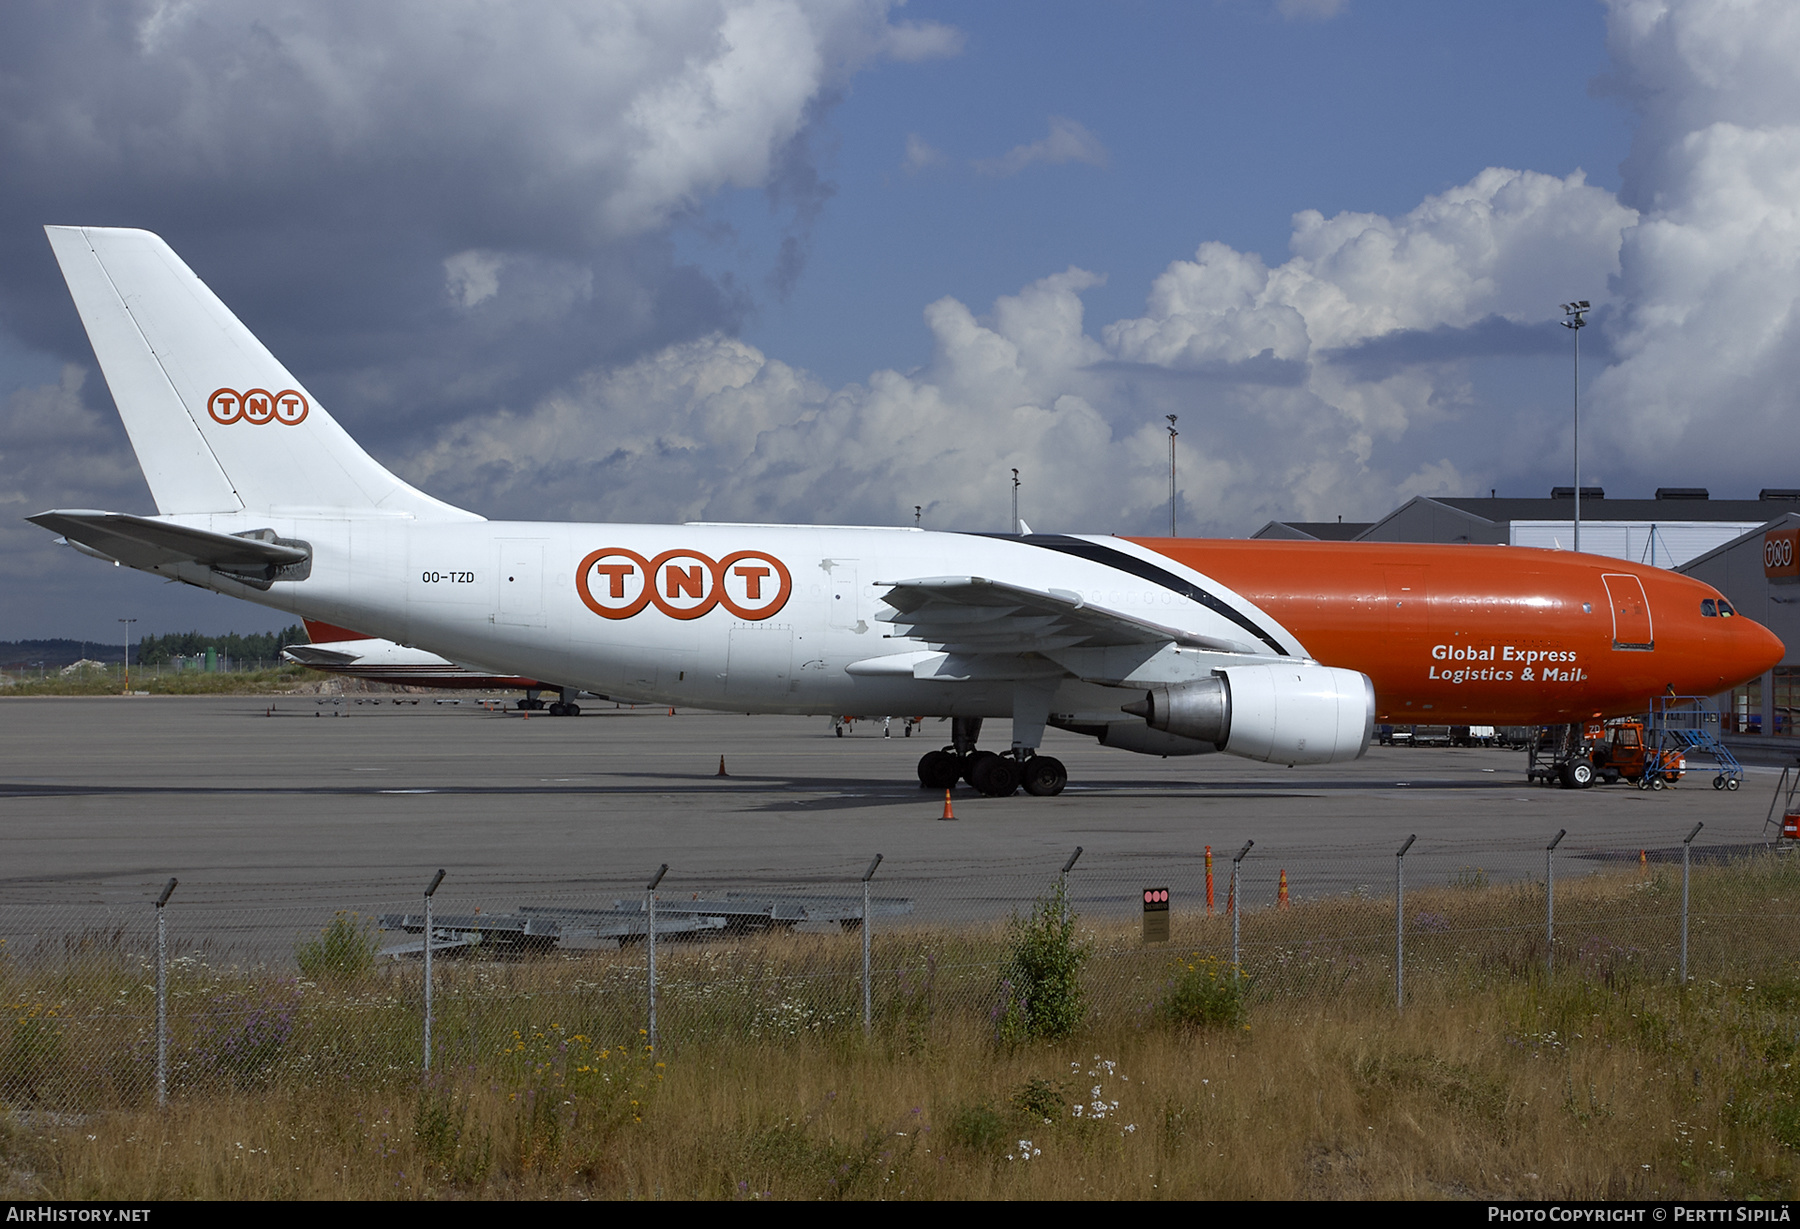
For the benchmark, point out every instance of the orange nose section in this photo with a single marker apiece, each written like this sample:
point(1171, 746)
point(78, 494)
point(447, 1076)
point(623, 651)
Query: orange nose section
point(1754, 650)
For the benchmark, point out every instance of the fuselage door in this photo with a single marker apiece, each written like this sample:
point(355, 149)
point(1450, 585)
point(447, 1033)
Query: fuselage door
point(521, 582)
point(1630, 611)
point(844, 594)
point(760, 660)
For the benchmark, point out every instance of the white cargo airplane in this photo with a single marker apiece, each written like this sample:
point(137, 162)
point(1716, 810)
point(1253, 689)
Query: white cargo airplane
point(1159, 646)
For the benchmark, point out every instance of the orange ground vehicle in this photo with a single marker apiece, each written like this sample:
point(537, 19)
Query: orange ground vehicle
point(1620, 752)
point(1576, 757)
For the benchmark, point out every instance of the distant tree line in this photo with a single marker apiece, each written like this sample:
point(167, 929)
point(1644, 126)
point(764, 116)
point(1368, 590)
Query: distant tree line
point(266, 646)
point(54, 654)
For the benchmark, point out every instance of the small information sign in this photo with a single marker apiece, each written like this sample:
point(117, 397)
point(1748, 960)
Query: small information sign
point(1156, 915)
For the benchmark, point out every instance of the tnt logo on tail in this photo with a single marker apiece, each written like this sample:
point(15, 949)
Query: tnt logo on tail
point(257, 406)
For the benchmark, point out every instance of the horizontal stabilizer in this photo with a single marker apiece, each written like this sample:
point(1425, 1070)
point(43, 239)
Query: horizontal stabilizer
point(159, 546)
point(313, 655)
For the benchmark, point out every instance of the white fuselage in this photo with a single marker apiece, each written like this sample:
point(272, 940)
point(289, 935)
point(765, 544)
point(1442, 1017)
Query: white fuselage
point(503, 596)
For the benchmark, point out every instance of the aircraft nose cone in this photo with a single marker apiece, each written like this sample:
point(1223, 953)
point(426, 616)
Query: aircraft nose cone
point(1757, 649)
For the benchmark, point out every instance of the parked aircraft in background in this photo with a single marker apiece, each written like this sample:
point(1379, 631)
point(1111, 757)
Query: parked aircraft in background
point(335, 650)
point(1280, 651)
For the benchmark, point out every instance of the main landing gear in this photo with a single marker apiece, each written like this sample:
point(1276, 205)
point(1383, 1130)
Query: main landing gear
point(564, 706)
point(990, 773)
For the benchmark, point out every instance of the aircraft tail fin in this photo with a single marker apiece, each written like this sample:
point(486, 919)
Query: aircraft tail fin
point(319, 632)
point(218, 424)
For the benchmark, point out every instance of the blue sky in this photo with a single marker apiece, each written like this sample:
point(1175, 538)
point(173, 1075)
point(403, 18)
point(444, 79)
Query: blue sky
point(1219, 121)
point(829, 260)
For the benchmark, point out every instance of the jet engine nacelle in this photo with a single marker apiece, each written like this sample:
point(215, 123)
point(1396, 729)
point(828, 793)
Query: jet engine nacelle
point(1298, 714)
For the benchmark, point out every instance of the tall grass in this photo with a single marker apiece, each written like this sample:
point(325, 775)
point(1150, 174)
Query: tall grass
point(1293, 1076)
point(109, 682)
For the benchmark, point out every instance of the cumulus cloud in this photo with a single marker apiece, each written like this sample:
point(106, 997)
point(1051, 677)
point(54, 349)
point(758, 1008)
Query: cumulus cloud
point(367, 156)
point(1284, 409)
point(1068, 141)
point(1707, 333)
point(1489, 247)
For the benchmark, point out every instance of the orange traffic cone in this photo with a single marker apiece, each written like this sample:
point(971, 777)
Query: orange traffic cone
point(722, 771)
point(671, 710)
point(948, 813)
point(1281, 900)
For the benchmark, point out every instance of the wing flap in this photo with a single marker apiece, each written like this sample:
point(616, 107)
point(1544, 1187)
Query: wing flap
point(972, 614)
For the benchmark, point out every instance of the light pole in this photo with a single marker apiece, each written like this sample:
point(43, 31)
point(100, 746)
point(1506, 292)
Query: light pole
point(1015, 524)
point(1575, 319)
point(128, 623)
point(1172, 434)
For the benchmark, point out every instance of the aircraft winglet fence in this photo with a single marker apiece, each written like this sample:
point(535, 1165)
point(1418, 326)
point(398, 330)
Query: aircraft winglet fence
point(212, 989)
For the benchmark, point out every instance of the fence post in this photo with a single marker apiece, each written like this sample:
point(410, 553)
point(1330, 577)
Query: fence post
point(650, 943)
point(1236, 965)
point(1400, 923)
point(430, 890)
point(162, 999)
point(1062, 881)
point(1686, 845)
point(1550, 902)
point(868, 1008)
point(1209, 898)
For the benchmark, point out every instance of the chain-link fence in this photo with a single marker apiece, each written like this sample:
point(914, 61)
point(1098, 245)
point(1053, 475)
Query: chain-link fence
point(253, 989)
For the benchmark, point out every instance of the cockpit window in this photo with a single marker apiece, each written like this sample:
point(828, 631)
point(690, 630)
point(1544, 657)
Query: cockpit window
point(1709, 608)
point(1725, 608)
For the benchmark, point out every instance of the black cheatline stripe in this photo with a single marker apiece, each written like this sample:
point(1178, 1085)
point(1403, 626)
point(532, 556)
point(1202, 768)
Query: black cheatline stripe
point(1145, 570)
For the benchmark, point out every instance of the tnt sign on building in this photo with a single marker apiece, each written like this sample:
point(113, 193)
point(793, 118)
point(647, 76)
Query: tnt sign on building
point(1781, 555)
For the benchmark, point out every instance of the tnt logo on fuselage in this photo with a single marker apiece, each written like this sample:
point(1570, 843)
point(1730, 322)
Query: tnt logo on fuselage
point(257, 406)
point(616, 583)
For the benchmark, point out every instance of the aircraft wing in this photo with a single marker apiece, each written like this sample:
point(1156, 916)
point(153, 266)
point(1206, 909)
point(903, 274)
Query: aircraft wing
point(973, 615)
point(150, 544)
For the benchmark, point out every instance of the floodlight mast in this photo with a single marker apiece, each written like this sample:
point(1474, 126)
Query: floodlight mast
point(1575, 320)
point(1172, 434)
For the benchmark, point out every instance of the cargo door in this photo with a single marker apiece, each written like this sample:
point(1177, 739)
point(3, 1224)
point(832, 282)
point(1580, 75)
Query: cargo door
point(1630, 613)
point(759, 664)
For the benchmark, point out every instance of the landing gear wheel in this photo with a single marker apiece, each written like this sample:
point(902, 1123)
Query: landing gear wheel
point(571, 710)
point(939, 770)
point(557, 709)
point(972, 761)
point(1731, 783)
point(1045, 776)
point(995, 776)
point(1719, 782)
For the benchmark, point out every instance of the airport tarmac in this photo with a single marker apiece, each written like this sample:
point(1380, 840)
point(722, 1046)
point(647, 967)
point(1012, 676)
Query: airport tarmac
point(293, 802)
